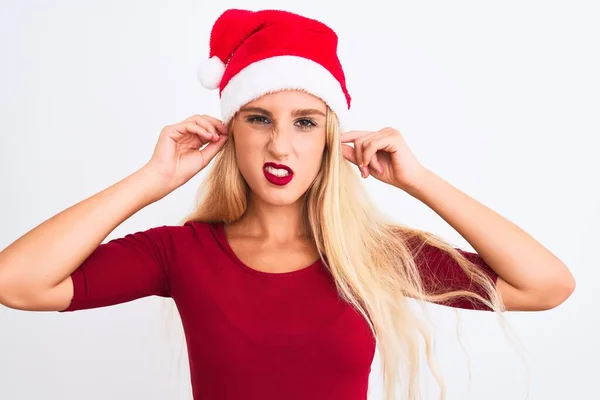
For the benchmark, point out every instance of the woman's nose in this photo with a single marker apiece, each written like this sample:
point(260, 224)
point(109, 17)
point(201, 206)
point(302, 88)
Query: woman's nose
point(280, 144)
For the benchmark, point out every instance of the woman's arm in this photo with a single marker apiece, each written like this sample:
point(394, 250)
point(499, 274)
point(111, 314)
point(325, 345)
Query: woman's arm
point(531, 278)
point(35, 270)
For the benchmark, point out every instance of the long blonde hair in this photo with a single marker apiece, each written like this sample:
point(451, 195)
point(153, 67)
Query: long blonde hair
point(374, 271)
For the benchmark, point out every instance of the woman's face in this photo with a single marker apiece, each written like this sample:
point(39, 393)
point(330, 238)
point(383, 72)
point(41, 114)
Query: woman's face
point(279, 144)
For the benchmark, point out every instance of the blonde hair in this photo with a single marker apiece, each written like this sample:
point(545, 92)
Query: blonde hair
point(375, 271)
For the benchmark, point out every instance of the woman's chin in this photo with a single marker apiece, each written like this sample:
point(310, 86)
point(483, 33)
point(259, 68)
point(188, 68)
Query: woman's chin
point(281, 196)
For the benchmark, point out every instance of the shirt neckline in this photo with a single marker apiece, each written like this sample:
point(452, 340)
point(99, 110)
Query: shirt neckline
point(221, 235)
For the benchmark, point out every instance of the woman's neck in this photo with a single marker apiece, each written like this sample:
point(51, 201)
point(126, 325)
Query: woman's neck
point(279, 223)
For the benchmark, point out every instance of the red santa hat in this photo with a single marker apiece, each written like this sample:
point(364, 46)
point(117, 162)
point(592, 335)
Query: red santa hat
point(253, 53)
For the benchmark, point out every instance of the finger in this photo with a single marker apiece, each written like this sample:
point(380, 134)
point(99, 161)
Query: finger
point(213, 121)
point(350, 155)
point(371, 146)
point(213, 148)
point(203, 132)
point(221, 127)
point(358, 157)
point(208, 126)
point(358, 152)
point(217, 123)
point(192, 128)
point(351, 136)
point(376, 165)
point(348, 152)
point(359, 146)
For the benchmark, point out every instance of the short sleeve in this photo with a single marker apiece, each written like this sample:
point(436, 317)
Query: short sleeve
point(440, 273)
point(124, 269)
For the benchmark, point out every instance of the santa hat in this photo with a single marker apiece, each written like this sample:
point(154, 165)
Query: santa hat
point(253, 53)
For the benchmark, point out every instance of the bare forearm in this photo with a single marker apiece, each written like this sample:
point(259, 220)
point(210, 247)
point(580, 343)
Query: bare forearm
point(49, 253)
point(515, 256)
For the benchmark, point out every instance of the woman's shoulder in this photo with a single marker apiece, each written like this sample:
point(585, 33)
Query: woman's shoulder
point(190, 230)
point(179, 236)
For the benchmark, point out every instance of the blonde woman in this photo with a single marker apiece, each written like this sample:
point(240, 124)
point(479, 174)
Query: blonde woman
point(285, 276)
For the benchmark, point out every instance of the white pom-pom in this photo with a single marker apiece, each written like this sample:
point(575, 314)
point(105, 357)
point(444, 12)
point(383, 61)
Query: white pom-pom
point(211, 72)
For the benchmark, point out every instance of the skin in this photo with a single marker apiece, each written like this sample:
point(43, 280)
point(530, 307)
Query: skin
point(35, 269)
point(531, 278)
point(285, 128)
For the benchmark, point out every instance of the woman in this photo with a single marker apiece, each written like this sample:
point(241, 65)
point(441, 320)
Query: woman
point(285, 274)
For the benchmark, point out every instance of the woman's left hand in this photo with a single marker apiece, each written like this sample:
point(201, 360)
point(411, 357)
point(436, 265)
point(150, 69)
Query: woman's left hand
point(385, 155)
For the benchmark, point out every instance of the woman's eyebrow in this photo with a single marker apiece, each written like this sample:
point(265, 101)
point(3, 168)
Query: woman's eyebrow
point(257, 110)
point(302, 112)
point(299, 112)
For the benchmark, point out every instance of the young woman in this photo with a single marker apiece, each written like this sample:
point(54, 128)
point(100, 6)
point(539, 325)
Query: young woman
point(285, 276)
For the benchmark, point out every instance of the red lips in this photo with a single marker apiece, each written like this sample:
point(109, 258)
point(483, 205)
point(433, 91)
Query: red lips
point(278, 180)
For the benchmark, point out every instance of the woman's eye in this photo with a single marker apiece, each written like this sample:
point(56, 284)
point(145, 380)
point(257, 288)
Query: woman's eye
point(306, 123)
point(303, 123)
point(257, 119)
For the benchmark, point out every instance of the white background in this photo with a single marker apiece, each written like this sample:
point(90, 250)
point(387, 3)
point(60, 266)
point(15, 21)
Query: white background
point(499, 98)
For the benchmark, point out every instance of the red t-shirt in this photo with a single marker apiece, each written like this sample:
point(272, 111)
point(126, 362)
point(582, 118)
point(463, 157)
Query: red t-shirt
point(250, 334)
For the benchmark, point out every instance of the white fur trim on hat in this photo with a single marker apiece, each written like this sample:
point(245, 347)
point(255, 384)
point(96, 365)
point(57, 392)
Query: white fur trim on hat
point(280, 73)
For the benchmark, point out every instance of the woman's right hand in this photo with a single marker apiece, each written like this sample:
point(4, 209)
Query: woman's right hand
point(179, 153)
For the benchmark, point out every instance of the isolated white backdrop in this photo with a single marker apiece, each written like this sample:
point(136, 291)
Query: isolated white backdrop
point(501, 99)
